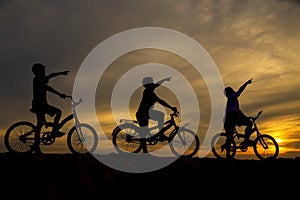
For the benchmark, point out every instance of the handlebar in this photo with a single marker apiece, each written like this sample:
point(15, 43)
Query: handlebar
point(257, 116)
point(174, 114)
point(74, 102)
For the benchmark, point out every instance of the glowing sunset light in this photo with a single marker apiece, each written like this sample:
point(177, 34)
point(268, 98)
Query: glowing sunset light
point(245, 39)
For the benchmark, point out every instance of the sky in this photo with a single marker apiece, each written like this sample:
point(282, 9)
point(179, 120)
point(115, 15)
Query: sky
point(256, 39)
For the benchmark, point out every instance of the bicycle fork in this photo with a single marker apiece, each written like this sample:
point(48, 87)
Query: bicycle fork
point(263, 143)
point(79, 131)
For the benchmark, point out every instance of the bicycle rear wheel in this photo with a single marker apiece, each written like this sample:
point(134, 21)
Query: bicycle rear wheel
point(82, 139)
point(218, 148)
point(126, 138)
point(185, 143)
point(266, 147)
point(19, 137)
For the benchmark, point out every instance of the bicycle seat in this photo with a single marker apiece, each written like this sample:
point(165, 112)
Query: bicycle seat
point(127, 121)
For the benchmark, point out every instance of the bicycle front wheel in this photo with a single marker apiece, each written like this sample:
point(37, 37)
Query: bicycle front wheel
point(126, 138)
point(19, 137)
point(185, 143)
point(219, 149)
point(266, 147)
point(82, 139)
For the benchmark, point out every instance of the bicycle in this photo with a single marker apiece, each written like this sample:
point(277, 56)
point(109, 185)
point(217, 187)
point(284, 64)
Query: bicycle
point(81, 138)
point(264, 145)
point(182, 141)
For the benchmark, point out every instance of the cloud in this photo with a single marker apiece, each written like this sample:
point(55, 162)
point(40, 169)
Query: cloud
point(246, 39)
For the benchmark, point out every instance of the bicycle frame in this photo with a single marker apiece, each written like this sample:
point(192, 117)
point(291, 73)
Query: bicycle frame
point(77, 125)
point(61, 123)
point(241, 135)
point(254, 129)
point(182, 141)
point(167, 125)
point(49, 124)
point(81, 137)
point(68, 118)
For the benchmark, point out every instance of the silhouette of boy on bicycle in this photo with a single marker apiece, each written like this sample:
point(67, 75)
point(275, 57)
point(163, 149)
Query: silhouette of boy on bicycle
point(146, 111)
point(234, 116)
point(39, 103)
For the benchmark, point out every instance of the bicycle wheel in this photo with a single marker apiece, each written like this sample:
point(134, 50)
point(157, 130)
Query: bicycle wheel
point(82, 139)
point(266, 147)
point(184, 143)
point(126, 138)
point(19, 137)
point(218, 149)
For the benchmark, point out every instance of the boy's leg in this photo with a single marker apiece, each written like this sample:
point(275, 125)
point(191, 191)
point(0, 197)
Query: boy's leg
point(40, 117)
point(56, 113)
point(143, 130)
point(159, 117)
point(229, 137)
point(229, 126)
point(246, 121)
point(143, 120)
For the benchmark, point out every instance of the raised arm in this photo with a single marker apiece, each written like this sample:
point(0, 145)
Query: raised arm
point(50, 89)
point(242, 88)
point(163, 80)
point(54, 74)
point(164, 103)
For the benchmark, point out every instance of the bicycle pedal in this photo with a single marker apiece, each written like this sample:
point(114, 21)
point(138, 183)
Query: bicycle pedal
point(150, 141)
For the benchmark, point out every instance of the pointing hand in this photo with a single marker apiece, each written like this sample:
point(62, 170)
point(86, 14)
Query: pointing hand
point(169, 78)
point(249, 81)
point(65, 72)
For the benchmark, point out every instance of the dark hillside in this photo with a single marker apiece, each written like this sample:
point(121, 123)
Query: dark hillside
point(67, 176)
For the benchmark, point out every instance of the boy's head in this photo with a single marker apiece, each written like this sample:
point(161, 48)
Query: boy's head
point(147, 80)
point(228, 91)
point(38, 69)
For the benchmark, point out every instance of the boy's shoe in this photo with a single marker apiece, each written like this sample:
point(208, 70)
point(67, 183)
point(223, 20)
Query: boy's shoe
point(36, 149)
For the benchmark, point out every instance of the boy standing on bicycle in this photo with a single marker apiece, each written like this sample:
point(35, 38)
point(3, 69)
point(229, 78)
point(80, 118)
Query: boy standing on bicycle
point(145, 109)
point(234, 116)
point(39, 103)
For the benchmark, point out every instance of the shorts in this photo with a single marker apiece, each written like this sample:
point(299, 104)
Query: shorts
point(233, 119)
point(44, 109)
